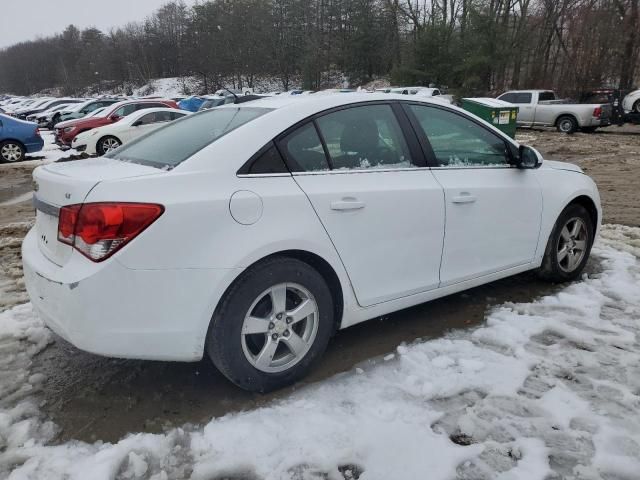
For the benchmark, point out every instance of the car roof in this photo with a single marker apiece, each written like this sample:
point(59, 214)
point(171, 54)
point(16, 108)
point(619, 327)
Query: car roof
point(529, 91)
point(318, 103)
point(140, 113)
point(117, 105)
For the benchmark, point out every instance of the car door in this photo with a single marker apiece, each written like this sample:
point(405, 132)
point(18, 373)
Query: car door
point(382, 209)
point(526, 106)
point(493, 210)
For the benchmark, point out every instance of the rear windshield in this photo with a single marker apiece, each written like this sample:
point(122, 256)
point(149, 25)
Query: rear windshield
point(173, 144)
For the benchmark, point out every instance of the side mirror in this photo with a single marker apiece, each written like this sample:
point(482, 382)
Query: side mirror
point(115, 118)
point(528, 157)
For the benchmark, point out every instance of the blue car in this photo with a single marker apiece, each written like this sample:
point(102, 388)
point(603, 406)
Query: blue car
point(191, 104)
point(17, 138)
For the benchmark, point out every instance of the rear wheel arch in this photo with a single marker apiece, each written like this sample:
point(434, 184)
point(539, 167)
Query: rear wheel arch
point(299, 271)
point(315, 261)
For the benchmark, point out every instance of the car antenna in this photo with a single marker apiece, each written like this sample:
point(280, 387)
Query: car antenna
point(234, 95)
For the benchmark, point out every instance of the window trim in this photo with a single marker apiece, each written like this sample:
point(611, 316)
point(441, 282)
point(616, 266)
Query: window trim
point(432, 161)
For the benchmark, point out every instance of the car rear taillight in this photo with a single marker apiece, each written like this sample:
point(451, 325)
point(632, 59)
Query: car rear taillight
point(98, 230)
point(597, 112)
point(37, 132)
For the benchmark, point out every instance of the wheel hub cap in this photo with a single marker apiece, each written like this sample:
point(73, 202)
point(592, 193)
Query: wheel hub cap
point(280, 327)
point(572, 245)
point(11, 152)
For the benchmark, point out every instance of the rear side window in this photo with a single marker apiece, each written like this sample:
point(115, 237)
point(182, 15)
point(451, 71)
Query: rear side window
point(269, 161)
point(177, 141)
point(364, 137)
point(303, 150)
point(544, 96)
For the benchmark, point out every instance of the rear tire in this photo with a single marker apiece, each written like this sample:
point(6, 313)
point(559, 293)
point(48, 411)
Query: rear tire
point(636, 106)
point(257, 329)
point(569, 245)
point(566, 124)
point(11, 151)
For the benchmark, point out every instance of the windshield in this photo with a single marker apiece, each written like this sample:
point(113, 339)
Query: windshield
point(96, 113)
point(173, 144)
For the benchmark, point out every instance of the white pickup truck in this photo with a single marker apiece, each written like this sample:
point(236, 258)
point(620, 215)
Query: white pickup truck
point(541, 108)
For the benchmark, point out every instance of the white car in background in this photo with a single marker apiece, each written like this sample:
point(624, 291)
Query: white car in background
point(423, 92)
point(631, 102)
point(99, 141)
point(252, 232)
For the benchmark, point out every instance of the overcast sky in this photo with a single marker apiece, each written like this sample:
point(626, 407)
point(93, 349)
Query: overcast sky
point(28, 19)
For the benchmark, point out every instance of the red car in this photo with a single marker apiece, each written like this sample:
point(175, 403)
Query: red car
point(66, 131)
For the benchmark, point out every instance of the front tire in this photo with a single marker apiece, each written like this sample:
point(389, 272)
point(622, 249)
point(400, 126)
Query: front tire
point(107, 144)
point(566, 124)
point(569, 245)
point(272, 326)
point(11, 151)
point(636, 106)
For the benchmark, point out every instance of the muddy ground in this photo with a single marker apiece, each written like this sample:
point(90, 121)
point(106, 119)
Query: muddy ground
point(95, 398)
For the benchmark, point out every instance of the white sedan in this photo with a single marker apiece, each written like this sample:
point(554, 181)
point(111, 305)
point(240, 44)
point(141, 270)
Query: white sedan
point(631, 102)
point(105, 139)
point(252, 232)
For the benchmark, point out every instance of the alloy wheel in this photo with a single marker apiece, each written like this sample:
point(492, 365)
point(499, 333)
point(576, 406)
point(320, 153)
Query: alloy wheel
point(11, 152)
point(280, 327)
point(109, 144)
point(572, 244)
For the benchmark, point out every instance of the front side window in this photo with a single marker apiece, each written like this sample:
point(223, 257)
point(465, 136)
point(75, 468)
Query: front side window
point(457, 141)
point(516, 97)
point(146, 119)
point(364, 137)
point(155, 117)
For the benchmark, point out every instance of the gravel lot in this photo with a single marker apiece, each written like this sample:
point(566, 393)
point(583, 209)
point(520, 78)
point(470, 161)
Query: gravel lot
point(92, 398)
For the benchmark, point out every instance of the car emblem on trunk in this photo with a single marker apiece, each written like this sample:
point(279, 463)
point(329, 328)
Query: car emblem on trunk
point(67, 196)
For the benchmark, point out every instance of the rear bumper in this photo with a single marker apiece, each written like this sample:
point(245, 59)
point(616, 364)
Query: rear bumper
point(111, 310)
point(34, 144)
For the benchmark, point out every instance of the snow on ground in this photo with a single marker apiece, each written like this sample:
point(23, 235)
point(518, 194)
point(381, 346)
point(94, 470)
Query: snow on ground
point(49, 153)
point(544, 390)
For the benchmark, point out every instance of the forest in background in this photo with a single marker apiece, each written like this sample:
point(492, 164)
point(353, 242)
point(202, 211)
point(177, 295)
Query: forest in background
point(471, 46)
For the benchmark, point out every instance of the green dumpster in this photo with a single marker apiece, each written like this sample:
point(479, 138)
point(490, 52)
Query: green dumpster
point(498, 113)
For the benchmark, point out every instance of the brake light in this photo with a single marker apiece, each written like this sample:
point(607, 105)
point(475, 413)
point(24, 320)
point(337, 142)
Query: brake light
point(597, 112)
point(98, 230)
point(37, 132)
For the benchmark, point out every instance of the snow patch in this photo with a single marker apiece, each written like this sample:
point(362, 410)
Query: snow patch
point(546, 389)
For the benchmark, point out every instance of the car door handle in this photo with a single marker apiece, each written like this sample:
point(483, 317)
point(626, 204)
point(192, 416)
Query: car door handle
point(347, 204)
point(464, 198)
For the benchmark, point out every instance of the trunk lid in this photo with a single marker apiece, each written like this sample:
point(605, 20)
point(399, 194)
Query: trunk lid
point(68, 183)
